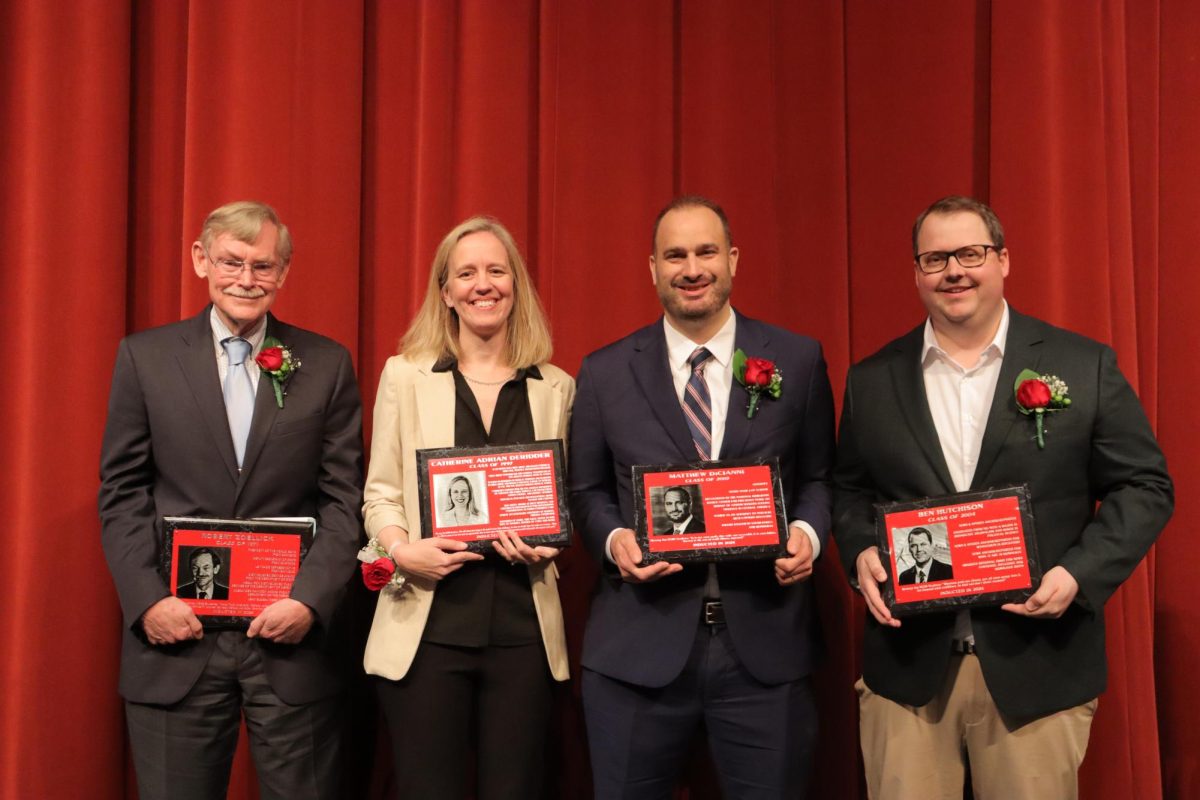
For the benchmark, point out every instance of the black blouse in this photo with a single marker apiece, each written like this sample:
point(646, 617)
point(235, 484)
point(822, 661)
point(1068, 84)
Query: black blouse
point(486, 602)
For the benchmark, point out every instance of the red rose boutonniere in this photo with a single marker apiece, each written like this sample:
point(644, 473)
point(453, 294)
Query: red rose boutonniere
point(759, 376)
point(377, 573)
point(378, 568)
point(276, 360)
point(1038, 395)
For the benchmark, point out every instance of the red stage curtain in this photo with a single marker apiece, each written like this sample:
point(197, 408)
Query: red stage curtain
point(374, 126)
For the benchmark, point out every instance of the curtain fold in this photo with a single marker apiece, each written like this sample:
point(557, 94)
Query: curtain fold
point(375, 126)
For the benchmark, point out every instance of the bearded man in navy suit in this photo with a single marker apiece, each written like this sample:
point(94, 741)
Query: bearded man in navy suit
point(729, 645)
point(179, 444)
point(1011, 690)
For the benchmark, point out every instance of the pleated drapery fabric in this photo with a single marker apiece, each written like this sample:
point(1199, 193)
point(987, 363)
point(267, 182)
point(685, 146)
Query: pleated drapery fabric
point(374, 126)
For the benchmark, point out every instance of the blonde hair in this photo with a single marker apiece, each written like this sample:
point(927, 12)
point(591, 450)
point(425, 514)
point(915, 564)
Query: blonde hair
point(434, 331)
point(243, 220)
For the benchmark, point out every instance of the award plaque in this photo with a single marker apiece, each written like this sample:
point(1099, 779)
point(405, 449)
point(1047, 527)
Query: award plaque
point(473, 493)
point(710, 511)
point(229, 570)
point(957, 551)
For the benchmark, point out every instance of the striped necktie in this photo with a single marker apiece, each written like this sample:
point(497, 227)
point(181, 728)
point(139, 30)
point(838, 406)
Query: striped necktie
point(697, 405)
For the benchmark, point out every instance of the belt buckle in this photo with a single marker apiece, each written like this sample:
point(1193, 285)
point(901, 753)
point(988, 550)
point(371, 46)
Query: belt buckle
point(714, 612)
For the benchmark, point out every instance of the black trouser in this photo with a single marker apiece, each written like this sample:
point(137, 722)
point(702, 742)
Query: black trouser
point(502, 695)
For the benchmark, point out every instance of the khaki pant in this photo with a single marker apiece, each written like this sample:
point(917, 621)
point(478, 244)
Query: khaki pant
point(921, 752)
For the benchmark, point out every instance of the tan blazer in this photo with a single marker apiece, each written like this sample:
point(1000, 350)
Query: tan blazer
point(414, 409)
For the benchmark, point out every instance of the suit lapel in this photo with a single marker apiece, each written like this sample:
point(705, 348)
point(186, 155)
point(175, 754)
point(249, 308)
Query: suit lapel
point(914, 404)
point(754, 340)
point(266, 409)
point(652, 372)
point(545, 402)
point(198, 362)
point(435, 407)
point(1021, 351)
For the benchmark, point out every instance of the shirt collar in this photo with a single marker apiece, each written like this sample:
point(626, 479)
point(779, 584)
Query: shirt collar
point(221, 333)
point(448, 362)
point(929, 339)
point(680, 347)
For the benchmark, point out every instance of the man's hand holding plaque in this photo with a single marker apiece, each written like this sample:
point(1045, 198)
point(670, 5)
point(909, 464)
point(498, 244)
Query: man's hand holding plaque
point(798, 564)
point(627, 554)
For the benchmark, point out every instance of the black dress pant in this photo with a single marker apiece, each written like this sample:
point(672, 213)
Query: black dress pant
point(493, 700)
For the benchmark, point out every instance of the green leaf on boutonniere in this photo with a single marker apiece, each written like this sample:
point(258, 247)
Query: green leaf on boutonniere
point(739, 365)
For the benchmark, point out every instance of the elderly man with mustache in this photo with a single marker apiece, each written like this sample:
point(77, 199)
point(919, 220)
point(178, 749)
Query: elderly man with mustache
point(197, 426)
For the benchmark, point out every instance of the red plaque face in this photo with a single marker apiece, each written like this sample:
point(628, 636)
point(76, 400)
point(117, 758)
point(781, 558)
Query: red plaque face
point(228, 571)
point(473, 493)
point(969, 549)
point(714, 510)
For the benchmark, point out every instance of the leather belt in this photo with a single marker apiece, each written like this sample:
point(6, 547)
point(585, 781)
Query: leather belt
point(962, 647)
point(714, 612)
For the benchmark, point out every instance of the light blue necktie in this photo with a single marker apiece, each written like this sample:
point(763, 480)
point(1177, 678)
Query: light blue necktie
point(239, 394)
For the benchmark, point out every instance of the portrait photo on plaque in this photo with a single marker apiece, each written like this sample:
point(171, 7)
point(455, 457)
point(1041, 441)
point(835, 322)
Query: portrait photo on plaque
point(961, 550)
point(229, 570)
point(679, 509)
point(473, 493)
point(710, 511)
point(460, 498)
point(199, 573)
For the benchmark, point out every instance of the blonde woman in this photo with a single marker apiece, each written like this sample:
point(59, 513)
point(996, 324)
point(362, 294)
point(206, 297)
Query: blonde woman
point(471, 645)
point(460, 508)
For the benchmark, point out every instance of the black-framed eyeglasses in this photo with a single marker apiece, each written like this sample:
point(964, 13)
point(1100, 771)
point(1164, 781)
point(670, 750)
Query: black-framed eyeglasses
point(265, 271)
point(969, 256)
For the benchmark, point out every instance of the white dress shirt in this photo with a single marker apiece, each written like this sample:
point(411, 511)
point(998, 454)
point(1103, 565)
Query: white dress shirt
point(960, 400)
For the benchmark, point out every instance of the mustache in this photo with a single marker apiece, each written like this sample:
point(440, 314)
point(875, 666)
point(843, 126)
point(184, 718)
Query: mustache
point(245, 294)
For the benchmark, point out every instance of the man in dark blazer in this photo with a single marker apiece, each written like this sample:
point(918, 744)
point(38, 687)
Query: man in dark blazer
point(732, 644)
point(205, 565)
point(174, 446)
point(934, 413)
point(682, 517)
point(925, 568)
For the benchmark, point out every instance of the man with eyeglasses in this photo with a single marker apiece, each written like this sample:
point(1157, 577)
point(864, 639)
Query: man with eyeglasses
point(1011, 690)
point(197, 428)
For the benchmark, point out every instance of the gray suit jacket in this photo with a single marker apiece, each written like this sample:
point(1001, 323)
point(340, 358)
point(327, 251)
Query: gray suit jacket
point(1099, 450)
point(167, 451)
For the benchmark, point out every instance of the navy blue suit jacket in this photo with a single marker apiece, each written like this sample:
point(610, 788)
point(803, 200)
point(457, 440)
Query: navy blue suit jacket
point(627, 412)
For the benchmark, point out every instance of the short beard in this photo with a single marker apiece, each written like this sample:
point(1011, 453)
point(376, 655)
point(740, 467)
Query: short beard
point(678, 310)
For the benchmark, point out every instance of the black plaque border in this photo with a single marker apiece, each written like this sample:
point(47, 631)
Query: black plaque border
point(758, 552)
point(1028, 533)
point(484, 546)
point(171, 524)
